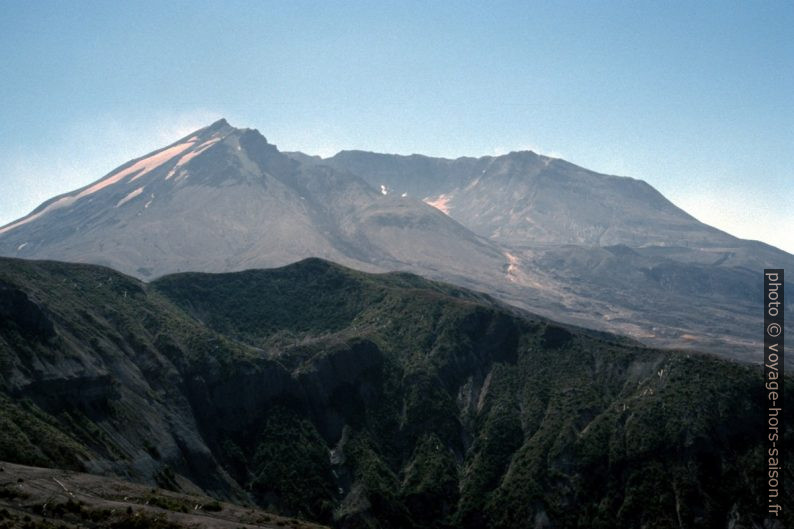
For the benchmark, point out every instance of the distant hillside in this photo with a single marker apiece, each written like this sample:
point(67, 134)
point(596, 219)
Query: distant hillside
point(377, 401)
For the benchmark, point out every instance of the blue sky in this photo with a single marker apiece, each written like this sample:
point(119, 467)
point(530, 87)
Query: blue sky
point(693, 97)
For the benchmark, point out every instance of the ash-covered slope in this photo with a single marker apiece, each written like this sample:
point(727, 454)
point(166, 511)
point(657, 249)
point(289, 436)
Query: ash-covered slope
point(524, 198)
point(594, 250)
point(372, 401)
point(604, 251)
point(224, 199)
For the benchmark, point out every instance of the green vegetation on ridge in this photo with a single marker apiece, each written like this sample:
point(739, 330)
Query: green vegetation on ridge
point(382, 401)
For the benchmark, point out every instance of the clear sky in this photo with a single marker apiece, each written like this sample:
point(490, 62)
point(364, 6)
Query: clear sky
point(693, 97)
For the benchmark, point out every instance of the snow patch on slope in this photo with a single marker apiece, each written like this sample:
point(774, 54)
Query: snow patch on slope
point(192, 154)
point(156, 160)
point(512, 267)
point(130, 196)
point(61, 202)
point(441, 203)
point(139, 168)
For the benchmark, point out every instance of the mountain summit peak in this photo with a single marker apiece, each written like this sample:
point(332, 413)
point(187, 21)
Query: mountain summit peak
point(223, 128)
point(220, 125)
